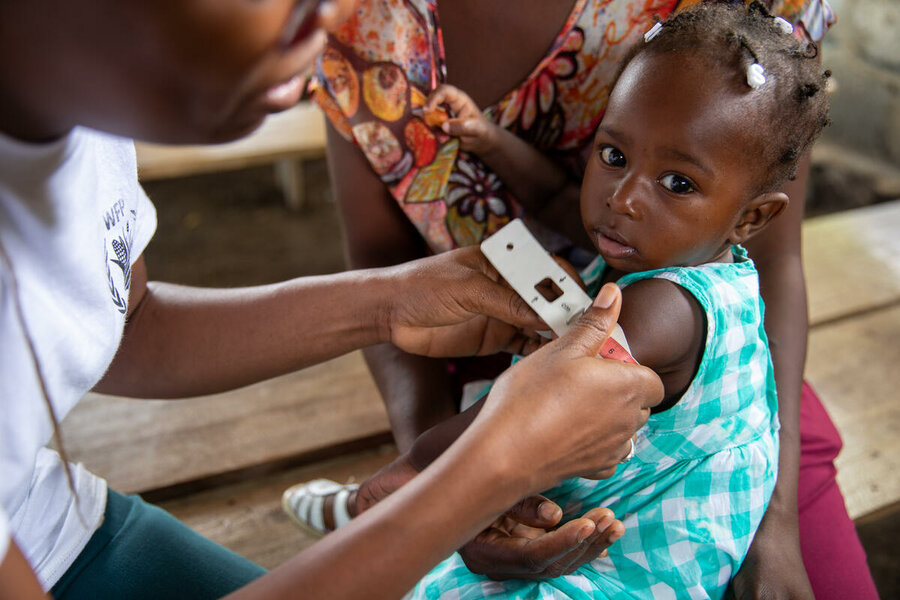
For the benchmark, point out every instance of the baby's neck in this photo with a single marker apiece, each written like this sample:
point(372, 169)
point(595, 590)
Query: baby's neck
point(726, 256)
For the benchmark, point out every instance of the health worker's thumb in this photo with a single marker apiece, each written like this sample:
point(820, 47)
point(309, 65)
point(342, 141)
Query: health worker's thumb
point(588, 335)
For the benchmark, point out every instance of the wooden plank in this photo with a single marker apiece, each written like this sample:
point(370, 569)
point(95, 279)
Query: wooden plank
point(853, 364)
point(295, 133)
point(852, 261)
point(141, 445)
point(882, 175)
point(248, 518)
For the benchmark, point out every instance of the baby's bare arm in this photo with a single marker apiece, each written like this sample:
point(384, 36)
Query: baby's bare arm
point(544, 188)
point(665, 327)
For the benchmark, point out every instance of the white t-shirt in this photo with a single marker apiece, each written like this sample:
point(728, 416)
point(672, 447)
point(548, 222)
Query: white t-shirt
point(4, 536)
point(73, 219)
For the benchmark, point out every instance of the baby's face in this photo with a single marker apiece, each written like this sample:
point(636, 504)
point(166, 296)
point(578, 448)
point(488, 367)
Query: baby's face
point(670, 171)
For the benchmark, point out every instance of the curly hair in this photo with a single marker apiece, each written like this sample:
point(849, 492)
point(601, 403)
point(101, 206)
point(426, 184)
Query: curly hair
point(792, 104)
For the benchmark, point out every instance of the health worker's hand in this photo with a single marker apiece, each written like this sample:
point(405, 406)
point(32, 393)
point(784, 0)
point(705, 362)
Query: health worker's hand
point(562, 411)
point(523, 544)
point(454, 304)
point(476, 134)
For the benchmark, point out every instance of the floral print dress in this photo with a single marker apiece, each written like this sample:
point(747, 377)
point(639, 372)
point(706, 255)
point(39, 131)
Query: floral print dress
point(380, 66)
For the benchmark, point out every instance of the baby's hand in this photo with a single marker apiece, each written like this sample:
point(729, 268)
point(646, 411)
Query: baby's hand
point(476, 134)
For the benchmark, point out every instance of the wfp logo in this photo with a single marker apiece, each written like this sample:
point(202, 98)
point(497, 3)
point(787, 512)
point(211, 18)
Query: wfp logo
point(120, 225)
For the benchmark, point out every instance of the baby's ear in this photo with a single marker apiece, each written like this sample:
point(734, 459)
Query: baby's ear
point(757, 214)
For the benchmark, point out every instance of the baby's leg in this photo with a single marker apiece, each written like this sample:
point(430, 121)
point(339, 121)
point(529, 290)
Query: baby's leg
point(382, 484)
point(321, 506)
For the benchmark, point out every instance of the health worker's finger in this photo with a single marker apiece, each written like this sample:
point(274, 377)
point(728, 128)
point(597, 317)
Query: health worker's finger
point(589, 333)
point(500, 302)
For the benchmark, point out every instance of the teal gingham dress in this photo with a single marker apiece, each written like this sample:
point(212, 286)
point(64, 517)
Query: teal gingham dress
point(703, 471)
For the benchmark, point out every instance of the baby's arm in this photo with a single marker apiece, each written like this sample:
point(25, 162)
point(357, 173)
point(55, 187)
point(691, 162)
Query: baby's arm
point(544, 188)
point(666, 329)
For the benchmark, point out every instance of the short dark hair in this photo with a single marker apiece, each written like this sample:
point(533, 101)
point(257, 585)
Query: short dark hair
point(792, 102)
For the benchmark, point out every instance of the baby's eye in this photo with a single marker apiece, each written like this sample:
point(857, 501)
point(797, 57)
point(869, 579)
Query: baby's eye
point(677, 183)
point(612, 156)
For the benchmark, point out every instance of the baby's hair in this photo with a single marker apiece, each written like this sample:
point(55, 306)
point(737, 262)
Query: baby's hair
point(793, 107)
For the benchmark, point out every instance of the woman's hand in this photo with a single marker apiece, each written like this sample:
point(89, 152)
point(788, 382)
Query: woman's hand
point(524, 543)
point(454, 304)
point(476, 134)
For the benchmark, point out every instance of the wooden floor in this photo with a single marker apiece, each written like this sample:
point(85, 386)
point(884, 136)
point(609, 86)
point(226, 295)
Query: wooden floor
point(220, 463)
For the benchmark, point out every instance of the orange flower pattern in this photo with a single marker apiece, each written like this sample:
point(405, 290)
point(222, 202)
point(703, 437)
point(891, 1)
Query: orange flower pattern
point(381, 64)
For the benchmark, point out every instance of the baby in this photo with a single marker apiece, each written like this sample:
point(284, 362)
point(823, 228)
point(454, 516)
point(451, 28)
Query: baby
point(705, 123)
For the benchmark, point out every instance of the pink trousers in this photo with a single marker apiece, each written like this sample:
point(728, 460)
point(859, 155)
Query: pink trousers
point(834, 558)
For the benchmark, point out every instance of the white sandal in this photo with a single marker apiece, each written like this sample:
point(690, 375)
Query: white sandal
point(305, 504)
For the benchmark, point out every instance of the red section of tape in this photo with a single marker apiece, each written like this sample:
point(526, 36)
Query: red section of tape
point(613, 350)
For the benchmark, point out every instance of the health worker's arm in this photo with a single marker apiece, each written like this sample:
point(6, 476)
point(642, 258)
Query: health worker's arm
point(184, 341)
point(17, 580)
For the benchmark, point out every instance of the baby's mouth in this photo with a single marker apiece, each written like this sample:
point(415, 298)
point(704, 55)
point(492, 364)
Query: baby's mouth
point(611, 244)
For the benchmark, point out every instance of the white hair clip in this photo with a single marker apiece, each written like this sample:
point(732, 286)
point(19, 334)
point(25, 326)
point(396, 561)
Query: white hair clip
point(784, 25)
point(653, 32)
point(756, 76)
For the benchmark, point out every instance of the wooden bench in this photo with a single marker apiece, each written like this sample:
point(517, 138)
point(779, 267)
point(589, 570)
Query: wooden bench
point(285, 139)
point(852, 262)
point(222, 461)
point(163, 449)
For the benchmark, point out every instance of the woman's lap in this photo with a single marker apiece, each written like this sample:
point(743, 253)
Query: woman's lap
point(834, 558)
point(141, 551)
